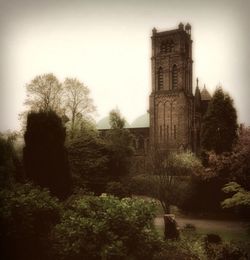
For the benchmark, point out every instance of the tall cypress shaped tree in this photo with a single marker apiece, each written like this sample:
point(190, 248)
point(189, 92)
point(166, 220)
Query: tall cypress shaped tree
point(219, 127)
point(45, 157)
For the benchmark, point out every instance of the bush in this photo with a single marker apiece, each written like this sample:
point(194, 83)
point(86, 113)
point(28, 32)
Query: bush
point(216, 249)
point(7, 162)
point(188, 247)
point(117, 189)
point(141, 185)
point(212, 239)
point(190, 227)
point(27, 215)
point(93, 227)
point(225, 251)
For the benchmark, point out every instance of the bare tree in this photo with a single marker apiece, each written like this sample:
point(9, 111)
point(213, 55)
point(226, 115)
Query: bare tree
point(77, 102)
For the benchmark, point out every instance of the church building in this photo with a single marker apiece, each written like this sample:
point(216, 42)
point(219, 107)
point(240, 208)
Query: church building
point(173, 121)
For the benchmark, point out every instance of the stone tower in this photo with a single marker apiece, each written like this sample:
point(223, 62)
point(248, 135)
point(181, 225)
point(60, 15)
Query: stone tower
point(171, 101)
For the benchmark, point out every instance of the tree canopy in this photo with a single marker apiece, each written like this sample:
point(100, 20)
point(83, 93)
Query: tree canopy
point(119, 141)
point(219, 126)
point(70, 100)
point(77, 103)
point(88, 158)
point(44, 93)
point(169, 172)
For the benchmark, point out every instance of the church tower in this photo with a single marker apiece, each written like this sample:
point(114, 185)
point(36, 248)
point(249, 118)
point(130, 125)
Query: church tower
point(171, 101)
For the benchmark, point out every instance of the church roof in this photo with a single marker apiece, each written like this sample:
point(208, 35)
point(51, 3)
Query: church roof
point(205, 94)
point(141, 121)
point(104, 124)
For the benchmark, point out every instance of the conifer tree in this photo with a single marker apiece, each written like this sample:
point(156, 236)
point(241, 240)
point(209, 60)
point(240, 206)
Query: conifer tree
point(219, 127)
point(45, 157)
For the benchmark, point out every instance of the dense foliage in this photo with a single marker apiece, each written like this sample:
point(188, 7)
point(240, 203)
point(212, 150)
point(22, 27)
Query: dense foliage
point(219, 125)
point(27, 215)
point(216, 249)
point(7, 167)
point(221, 169)
point(189, 247)
point(94, 227)
point(88, 161)
point(170, 174)
point(118, 189)
point(120, 147)
point(44, 154)
point(35, 225)
point(240, 197)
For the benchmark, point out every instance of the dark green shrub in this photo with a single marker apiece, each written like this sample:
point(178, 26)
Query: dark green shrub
point(225, 251)
point(212, 239)
point(27, 215)
point(117, 189)
point(216, 249)
point(7, 162)
point(231, 252)
point(186, 249)
point(44, 154)
point(190, 227)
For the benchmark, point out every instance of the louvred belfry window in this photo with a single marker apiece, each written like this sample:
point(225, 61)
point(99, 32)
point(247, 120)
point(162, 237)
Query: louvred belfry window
point(160, 78)
point(174, 77)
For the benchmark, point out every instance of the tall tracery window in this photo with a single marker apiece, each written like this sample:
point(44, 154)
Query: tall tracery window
point(140, 143)
point(174, 77)
point(160, 133)
point(175, 134)
point(160, 78)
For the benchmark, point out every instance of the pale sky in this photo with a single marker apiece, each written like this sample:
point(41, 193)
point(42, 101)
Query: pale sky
point(106, 45)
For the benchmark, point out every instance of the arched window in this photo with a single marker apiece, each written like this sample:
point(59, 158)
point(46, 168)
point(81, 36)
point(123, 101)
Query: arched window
point(160, 133)
point(175, 134)
point(163, 47)
point(160, 78)
point(174, 77)
point(135, 143)
point(141, 143)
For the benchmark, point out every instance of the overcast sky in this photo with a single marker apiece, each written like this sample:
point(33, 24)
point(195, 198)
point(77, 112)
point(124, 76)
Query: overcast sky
point(106, 44)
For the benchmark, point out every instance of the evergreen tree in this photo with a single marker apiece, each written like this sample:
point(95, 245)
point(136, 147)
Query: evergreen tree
point(219, 127)
point(45, 157)
point(119, 141)
point(88, 160)
point(7, 166)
